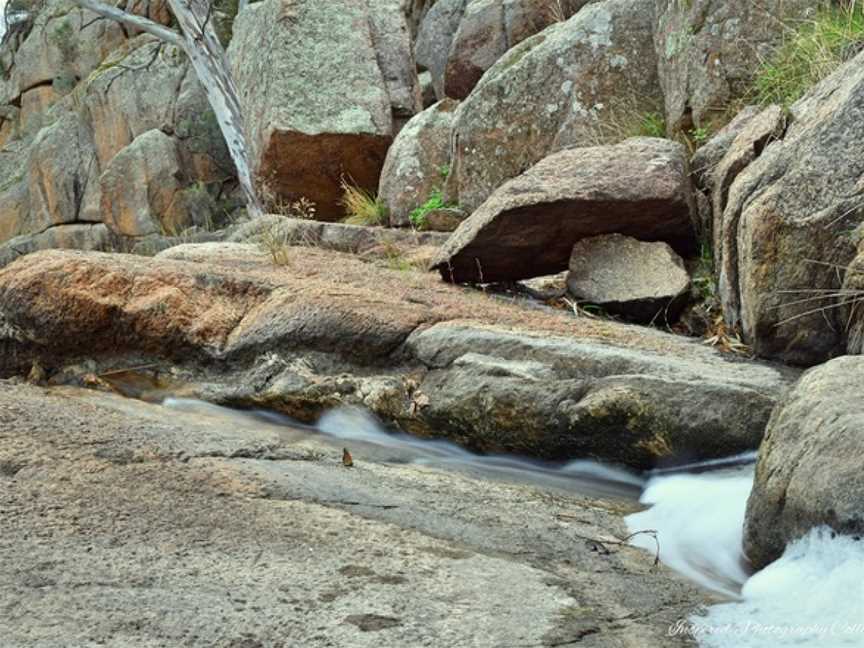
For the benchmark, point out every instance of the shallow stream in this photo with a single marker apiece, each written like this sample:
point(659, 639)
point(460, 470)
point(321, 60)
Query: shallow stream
point(812, 596)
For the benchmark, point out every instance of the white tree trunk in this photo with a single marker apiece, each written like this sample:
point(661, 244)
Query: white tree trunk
point(201, 44)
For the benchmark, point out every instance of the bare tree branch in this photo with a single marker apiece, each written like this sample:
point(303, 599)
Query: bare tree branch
point(132, 20)
point(201, 44)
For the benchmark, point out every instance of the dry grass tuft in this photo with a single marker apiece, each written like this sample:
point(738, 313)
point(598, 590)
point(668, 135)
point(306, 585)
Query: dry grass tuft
point(361, 206)
point(275, 241)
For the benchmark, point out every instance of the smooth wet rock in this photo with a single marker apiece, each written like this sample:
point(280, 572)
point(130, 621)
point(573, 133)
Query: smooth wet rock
point(640, 188)
point(643, 282)
point(184, 525)
point(790, 213)
point(418, 162)
point(587, 70)
point(809, 472)
point(430, 358)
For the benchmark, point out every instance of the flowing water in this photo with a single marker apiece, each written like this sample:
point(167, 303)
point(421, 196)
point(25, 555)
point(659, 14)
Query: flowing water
point(812, 596)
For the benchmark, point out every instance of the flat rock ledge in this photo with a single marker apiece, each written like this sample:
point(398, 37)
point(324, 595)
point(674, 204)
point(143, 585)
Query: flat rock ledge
point(226, 325)
point(127, 524)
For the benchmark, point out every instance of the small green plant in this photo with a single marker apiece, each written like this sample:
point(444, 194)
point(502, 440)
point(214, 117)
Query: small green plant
point(813, 50)
point(703, 275)
point(418, 217)
point(700, 135)
point(652, 124)
point(361, 206)
point(444, 171)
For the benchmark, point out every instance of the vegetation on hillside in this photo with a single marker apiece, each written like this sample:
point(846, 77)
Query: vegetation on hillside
point(812, 51)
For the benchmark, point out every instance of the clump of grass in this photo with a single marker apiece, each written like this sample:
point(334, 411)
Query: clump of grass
point(652, 124)
point(418, 216)
point(361, 206)
point(626, 118)
point(812, 51)
point(274, 240)
point(395, 257)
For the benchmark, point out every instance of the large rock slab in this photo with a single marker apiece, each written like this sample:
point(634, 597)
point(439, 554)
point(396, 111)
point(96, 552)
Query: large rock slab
point(809, 470)
point(644, 282)
point(428, 357)
point(418, 161)
point(528, 227)
point(710, 50)
point(96, 489)
point(585, 70)
point(315, 93)
point(791, 212)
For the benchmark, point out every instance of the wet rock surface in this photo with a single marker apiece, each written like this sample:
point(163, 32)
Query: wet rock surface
point(198, 531)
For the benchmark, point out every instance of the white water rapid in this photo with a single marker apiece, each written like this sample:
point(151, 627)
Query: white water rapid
point(813, 596)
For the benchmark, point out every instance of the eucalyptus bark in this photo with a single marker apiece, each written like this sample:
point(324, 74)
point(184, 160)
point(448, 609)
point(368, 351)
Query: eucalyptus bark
point(199, 40)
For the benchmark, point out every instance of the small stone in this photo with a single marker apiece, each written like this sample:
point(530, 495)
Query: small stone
point(640, 281)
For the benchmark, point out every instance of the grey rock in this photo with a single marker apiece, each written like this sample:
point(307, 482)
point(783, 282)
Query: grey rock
point(435, 37)
point(809, 472)
point(548, 287)
point(414, 164)
point(766, 127)
point(709, 52)
point(585, 69)
point(644, 282)
point(306, 132)
point(528, 227)
point(391, 35)
point(708, 156)
point(791, 212)
point(182, 504)
point(76, 236)
point(427, 90)
point(489, 28)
